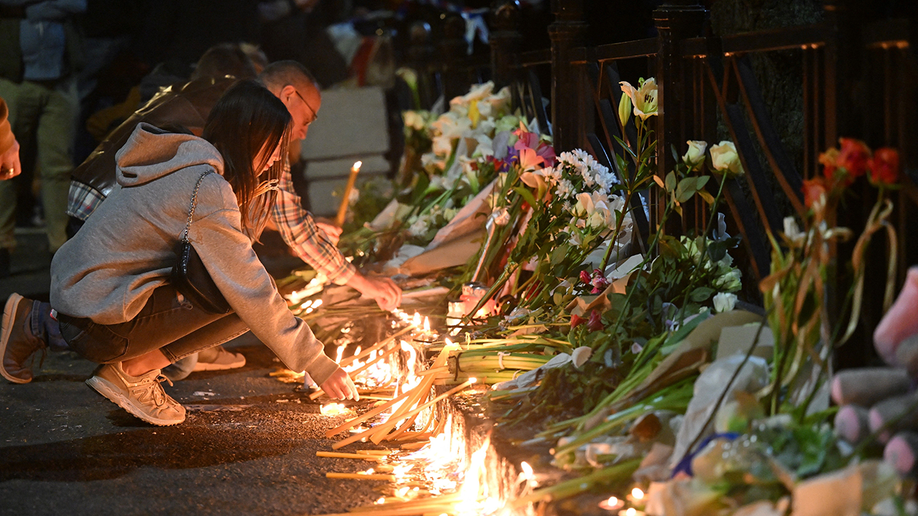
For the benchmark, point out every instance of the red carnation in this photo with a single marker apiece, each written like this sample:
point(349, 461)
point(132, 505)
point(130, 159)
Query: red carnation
point(884, 167)
point(595, 322)
point(853, 156)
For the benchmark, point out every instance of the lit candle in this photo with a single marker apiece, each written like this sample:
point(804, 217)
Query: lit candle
point(345, 197)
point(361, 476)
point(611, 504)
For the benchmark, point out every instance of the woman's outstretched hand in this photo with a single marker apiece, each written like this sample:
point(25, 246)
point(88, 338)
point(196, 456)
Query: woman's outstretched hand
point(340, 386)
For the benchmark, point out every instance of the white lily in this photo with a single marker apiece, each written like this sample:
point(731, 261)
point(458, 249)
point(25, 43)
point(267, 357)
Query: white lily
point(644, 98)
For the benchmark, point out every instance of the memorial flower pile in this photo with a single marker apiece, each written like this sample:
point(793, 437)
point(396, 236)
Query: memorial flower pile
point(625, 355)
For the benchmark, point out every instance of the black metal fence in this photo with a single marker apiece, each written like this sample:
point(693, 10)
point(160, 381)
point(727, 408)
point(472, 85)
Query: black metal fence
point(856, 71)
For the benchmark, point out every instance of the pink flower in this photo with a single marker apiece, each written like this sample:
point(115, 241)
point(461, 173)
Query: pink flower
point(599, 282)
point(547, 152)
point(584, 277)
point(529, 160)
point(532, 150)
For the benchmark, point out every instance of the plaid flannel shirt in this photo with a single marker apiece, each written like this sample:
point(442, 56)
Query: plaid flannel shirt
point(82, 200)
point(299, 231)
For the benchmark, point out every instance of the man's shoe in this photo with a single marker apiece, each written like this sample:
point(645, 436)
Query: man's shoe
point(17, 343)
point(142, 396)
point(218, 359)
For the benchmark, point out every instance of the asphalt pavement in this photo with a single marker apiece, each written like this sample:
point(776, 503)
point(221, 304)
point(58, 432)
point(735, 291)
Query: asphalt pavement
point(248, 446)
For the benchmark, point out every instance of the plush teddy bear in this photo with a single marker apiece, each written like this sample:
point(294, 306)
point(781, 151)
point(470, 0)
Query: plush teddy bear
point(883, 401)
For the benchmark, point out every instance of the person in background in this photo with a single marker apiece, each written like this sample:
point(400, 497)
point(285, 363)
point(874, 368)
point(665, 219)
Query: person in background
point(94, 179)
point(9, 147)
point(110, 289)
point(9, 166)
point(41, 53)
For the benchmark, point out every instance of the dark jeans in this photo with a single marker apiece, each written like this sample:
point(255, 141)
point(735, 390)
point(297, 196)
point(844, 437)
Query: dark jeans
point(168, 322)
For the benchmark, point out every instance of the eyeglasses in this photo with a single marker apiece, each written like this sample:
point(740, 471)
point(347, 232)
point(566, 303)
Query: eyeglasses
point(315, 114)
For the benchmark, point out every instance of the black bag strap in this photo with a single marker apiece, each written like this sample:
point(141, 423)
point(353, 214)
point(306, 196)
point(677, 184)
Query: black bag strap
point(194, 203)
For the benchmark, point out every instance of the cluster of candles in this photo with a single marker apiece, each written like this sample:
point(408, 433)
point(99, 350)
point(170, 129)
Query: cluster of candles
point(617, 504)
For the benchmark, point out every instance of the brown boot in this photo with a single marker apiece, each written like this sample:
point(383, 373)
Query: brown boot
point(17, 343)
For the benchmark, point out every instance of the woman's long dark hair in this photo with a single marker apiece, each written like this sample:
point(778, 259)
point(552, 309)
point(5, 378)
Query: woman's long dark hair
point(246, 119)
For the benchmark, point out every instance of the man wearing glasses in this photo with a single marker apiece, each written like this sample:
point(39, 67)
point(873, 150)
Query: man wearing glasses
point(187, 106)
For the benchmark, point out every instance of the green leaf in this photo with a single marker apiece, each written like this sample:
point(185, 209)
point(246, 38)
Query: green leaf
point(689, 186)
point(558, 255)
point(708, 198)
point(701, 294)
point(670, 181)
point(625, 147)
point(524, 192)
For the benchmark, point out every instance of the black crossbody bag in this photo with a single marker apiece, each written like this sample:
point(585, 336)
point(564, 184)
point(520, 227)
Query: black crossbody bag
point(189, 275)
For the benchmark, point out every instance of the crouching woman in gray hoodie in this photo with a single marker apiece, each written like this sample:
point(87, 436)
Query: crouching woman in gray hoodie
point(110, 283)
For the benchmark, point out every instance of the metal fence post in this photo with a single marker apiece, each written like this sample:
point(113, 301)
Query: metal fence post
point(505, 41)
point(566, 33)
point(675, 21)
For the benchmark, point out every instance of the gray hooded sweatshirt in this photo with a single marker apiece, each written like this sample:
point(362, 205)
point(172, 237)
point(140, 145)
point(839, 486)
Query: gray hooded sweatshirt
point(126, 249)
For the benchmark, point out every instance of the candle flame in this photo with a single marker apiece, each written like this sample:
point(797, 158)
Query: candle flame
point(334, 409)
point(526, 468)
point(637, 493)
point(357, 165)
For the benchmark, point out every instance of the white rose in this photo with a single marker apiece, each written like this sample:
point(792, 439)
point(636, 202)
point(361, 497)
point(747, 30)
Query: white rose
point(725, 160)
point(724, 302)
point(694, 157)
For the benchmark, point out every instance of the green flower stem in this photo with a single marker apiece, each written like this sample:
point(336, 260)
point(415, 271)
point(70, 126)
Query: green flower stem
point(630, 292)
point(490, 377)
point(698, 271)
point(617, 473)
point(504, 276)
point(553, 429)
point(618, 229)
point(675, 397)
point(518, 362)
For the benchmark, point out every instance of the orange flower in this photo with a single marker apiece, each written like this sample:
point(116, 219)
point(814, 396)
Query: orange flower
point(813, 190)
point(884, 167)
point(853, 156)
point(829, 162)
